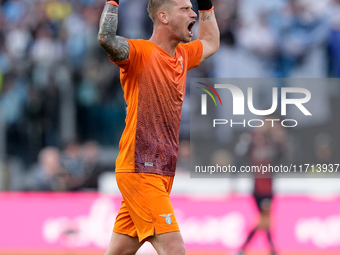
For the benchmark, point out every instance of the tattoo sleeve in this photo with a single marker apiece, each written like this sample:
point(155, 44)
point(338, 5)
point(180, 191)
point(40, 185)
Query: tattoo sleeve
point(117, 47)
point(206, 16)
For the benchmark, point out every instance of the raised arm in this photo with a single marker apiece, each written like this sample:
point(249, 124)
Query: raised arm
point(208, 31)
point(117, 47)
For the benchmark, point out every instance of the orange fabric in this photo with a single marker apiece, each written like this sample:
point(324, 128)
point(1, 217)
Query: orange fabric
point(154, 88)
point(146, 205)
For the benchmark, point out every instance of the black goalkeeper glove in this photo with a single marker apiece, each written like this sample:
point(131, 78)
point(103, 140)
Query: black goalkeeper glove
point(205, 5)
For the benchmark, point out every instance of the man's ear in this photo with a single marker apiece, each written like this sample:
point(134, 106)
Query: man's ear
point(163, 17)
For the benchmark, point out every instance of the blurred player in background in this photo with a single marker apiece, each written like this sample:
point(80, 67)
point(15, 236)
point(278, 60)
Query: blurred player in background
point(153, 77)
point(263, 195)
point(266, 145)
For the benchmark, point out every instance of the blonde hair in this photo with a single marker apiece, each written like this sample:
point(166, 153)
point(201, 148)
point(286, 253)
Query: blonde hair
point(155, 5)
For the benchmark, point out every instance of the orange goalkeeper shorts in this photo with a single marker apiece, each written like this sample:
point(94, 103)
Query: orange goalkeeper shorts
point(146, 208)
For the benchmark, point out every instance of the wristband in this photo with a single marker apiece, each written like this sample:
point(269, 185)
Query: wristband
point(212, 8)
point(115, 2)
point(205, 5)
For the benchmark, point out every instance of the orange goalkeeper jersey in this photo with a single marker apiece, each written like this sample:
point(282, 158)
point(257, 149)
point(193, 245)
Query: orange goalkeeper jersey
point(154, 88)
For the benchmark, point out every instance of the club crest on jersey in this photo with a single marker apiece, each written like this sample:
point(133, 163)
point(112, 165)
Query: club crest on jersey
point(167, 218)
point(181, 60)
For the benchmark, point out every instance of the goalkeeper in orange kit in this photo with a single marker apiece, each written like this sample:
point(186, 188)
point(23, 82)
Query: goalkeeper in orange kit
point(153, 76)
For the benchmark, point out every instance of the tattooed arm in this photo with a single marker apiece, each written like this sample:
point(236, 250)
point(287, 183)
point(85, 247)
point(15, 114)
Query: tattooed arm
point(117, 47)
point(208, 33)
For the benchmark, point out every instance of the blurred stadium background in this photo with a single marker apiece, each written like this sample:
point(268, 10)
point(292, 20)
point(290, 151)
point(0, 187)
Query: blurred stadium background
point(62, 113)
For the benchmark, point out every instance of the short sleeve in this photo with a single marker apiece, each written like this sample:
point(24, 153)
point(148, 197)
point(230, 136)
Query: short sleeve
point(139, 52)
point(194, 52)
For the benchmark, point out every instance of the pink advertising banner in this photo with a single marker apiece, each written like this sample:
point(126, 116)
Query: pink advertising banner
point(81, 223)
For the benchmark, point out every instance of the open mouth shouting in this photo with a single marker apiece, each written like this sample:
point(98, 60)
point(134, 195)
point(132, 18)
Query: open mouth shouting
point(190, 27)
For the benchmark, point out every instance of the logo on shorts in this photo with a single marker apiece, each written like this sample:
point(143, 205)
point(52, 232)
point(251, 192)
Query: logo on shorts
point(167, 218)
point(148, 164)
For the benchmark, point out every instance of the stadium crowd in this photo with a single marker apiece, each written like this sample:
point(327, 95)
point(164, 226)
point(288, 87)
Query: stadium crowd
point(57, 85)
